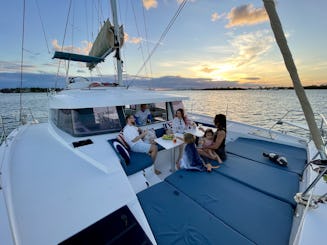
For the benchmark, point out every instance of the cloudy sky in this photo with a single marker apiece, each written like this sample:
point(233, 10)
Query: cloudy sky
point(225, 42)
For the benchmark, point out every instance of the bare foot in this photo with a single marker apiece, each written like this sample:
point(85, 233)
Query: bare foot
point(209, 167)
point(218, 158)
point(157, 172)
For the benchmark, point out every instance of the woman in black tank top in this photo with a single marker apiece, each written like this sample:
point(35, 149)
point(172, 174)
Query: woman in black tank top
point(219, 139)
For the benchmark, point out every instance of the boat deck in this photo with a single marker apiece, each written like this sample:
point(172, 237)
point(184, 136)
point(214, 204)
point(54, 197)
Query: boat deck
point(246, 201)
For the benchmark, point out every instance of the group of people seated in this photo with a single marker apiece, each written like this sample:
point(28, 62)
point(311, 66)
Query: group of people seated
point(211, 147)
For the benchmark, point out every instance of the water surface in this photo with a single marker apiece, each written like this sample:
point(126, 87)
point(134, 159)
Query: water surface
point(257, 107)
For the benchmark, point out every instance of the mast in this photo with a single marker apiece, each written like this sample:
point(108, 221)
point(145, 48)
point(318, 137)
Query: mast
point(117, 39)
point(290, 65)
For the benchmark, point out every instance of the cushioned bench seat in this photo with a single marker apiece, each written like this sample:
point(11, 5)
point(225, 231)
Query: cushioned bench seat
point(259, 217)
point(282, 185)
point(138, 161)
point(160, 132)
point(253, 149)
point(174, 218)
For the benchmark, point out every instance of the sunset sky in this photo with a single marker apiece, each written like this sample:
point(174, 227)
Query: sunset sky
point(226, 42)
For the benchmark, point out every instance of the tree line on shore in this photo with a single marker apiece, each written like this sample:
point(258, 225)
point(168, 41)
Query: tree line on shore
point(43, 90)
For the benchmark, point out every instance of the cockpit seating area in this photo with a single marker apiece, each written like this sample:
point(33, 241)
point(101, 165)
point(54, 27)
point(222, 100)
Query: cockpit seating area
point(138, 161)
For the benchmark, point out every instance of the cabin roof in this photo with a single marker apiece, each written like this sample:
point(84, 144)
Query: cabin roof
point(103, 97)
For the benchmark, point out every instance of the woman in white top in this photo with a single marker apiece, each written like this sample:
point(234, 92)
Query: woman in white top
point(179, 122)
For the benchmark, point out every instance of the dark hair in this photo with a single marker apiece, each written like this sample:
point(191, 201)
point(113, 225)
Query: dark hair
point(128, 116)
point(209, 130)
point(182, 112)
point(220, 121)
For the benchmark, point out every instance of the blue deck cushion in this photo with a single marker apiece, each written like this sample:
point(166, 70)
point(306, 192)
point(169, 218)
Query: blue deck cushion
point(138, 161)
point(259, 217)
point(272, 181)
point(174, 218)
point(253, 149)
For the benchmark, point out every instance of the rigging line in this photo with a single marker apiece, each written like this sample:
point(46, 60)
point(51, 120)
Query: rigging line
point(99, 73)
point(63, 41)
point(86, 20)
point(147, 40)
point(72, 24)
point(163, 35)
point(43, 29)
point(21, 65)
point(139, 34)
point(97, 10)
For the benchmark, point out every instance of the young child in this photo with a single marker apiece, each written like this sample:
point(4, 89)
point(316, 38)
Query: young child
point(207, 140)
point(191, 158)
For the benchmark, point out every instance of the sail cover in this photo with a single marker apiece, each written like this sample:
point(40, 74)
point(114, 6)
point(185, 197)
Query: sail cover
point(104, 44)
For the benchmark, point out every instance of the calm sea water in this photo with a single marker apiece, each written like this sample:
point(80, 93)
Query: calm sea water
point(257, 107)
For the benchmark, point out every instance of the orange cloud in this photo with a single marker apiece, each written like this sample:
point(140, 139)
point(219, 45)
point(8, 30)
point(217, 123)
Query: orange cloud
point(134, 40)
point(208, 70)
point(150, 4)
point(215, 17)
point(249, 47)
point(246, 15)
point(84, 49)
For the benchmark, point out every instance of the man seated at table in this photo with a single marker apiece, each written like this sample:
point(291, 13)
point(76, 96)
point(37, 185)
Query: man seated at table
point(143, 115)
point(134, 138)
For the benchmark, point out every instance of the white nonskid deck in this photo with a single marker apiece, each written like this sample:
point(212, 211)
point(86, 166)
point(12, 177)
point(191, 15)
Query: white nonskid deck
point(52, 198)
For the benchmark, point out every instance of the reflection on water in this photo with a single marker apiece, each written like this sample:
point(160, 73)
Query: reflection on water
point(258, 107)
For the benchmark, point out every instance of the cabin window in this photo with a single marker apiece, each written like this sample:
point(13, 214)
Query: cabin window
point(157, 112)
point(177, 105)
point(100, 120)
point(62, 118)
point(86, 121)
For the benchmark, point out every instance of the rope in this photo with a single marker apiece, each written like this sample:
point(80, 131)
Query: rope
point(147, 45)
point(138, 33)
point(43, 29)
point(21, 66)
point(162, 37)
point(298, 233)
point(63, 41)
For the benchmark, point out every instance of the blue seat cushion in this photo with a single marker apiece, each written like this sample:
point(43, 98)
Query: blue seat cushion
point(259, 217)
point(138, 161)
point(159, 133)
point(174, 218)
point(272, 181)
point(253, 149)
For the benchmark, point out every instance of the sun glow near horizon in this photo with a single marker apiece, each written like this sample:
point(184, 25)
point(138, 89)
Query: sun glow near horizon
point(228, 41)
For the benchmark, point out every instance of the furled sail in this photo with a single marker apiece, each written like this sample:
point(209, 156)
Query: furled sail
point(105, 44)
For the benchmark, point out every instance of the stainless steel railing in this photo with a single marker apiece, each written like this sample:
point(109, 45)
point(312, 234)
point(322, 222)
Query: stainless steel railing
point(297, 128)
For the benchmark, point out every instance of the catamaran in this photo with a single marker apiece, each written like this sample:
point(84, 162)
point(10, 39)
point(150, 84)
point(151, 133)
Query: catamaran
point(73, 180)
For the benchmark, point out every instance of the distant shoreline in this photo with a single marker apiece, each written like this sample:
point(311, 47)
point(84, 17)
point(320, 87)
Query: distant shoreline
point(44, 90)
